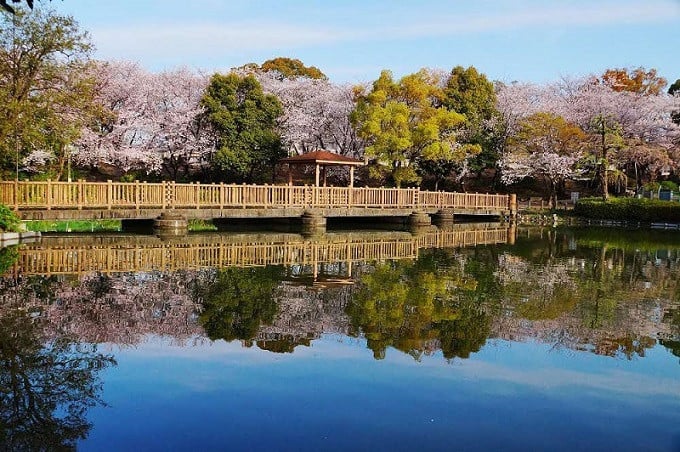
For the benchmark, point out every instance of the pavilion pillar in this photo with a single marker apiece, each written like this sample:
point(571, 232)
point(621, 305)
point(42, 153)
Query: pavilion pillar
point(351, 176)
point(317, 175)
point(323, 169)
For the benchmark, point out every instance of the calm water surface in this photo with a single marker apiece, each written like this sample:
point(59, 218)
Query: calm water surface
point(553, 339)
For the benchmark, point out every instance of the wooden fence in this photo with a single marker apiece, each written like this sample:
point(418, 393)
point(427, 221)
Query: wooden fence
point(29, 195)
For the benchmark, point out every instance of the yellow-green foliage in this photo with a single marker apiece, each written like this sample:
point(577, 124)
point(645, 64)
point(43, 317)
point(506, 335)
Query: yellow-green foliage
point(405, 121)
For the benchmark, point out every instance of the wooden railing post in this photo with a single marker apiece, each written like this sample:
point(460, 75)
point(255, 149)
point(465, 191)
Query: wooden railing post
point(109, 194)
point(136, 194)
point(81, 193)
point(48, 196)
point(198, 195)
point(512, 204)
point(16, 195)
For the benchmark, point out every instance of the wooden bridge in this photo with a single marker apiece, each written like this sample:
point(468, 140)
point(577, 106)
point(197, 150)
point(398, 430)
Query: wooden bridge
point(61, 255)
point(50, 200)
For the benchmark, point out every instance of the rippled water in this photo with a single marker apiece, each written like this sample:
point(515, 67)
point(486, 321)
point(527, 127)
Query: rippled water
point(537, 339)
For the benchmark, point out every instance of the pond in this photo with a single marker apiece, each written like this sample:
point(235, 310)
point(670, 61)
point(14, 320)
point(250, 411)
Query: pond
point(479, 337)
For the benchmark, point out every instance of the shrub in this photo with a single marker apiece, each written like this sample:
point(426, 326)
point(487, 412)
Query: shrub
point(9, 222)
point(664, 185)
point(628, 209)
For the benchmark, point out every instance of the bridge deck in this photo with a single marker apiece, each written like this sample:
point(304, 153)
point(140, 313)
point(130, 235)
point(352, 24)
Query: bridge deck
point(141, 200)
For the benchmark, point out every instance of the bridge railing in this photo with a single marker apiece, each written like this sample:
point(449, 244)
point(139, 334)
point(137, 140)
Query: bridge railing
point(27, 195)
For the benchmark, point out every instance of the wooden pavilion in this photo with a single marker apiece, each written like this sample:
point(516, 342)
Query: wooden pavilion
point(321, 159)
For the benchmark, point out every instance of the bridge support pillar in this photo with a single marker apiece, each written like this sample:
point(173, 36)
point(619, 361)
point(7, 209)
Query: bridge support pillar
point(313, 222)
point(444, 217)
point(417, 219)
point(171, 224)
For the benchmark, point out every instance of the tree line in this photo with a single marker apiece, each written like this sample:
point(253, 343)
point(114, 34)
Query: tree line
point(64, 114)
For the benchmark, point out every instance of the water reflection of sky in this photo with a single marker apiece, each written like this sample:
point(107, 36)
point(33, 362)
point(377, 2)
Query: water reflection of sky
point(334, 395)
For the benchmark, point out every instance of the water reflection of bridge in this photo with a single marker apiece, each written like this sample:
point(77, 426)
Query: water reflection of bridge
point(56, 255)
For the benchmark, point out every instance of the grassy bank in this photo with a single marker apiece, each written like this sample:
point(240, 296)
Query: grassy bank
point(628, 209)
point(195, 225)
point(74, 226)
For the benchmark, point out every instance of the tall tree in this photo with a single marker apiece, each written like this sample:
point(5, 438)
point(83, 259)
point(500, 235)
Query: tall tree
point(291, 68)
point(316, 113)
point(45, 95)
point(244, 119)
point(608, 139)
point(151, 122)
point(616, 120)
point(405, 121)
point(470, 93)
point(545, 147)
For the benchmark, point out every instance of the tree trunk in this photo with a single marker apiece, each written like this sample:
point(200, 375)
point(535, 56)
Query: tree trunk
point(603, 166)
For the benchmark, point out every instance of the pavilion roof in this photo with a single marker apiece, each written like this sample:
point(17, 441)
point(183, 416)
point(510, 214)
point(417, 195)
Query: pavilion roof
point(322, 157)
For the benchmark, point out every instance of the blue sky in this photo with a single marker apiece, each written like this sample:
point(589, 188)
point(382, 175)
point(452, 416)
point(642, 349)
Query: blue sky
point(353, 40)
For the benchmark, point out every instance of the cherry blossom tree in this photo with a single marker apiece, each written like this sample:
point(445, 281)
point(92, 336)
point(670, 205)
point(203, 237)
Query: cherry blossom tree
point(615, 120)
point(150, 122)
point(316, 113)
point(545, 147)
point(618, 120)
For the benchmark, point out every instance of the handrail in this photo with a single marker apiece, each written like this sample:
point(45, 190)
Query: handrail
point(109, 195)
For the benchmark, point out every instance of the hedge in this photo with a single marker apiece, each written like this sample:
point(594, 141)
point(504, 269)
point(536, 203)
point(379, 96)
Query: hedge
point(628, 209)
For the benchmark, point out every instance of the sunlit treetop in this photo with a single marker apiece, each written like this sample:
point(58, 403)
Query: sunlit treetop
point(637, 80)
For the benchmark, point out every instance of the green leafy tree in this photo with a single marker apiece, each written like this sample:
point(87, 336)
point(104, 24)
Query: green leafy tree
point(291, 68)
point(470, 93)
point(46, 95)
point(46, 386)
point(608, 138)
point(237, 300)
point(405, 122)
point(245, 121)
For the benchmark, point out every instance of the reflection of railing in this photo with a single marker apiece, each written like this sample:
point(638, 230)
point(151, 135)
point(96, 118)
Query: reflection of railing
point(24, 195)
point(127, 254)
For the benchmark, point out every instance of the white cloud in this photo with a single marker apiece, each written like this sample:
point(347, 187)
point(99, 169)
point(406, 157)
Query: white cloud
point(166, 40)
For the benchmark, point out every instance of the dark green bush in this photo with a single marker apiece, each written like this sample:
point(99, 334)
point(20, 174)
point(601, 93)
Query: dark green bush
point(9, 222)
point(629, 209)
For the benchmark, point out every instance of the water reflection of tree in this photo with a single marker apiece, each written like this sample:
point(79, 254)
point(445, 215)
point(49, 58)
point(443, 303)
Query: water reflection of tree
point(46, 386)
point(406, 304)
point(121, 309)
point(584, 293)
point(236, 301)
